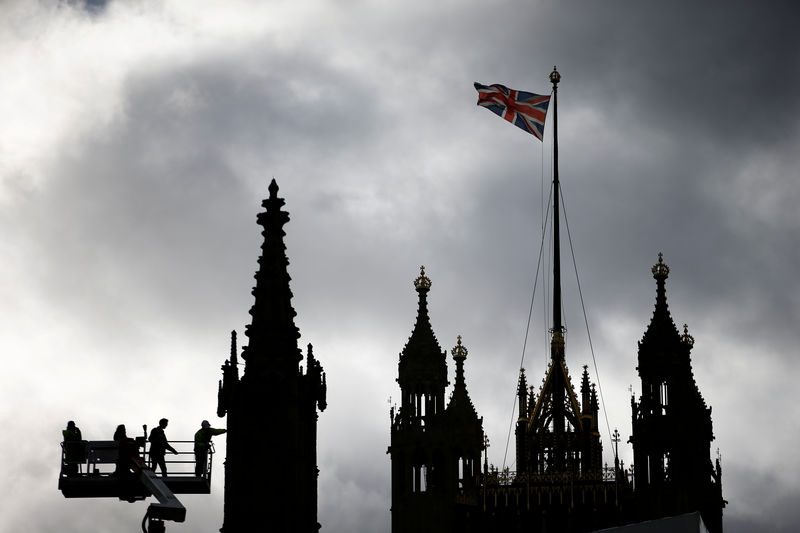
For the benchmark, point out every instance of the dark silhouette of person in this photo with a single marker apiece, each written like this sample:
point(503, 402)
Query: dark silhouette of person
point(202, 442)
point(159, 446)
point(72, 432)
point(74, 448)
point(128, 455)
point(128, 463)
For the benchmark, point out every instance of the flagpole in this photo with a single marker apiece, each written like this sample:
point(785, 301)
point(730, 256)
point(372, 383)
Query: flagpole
point(557, 340)
point(555, 77)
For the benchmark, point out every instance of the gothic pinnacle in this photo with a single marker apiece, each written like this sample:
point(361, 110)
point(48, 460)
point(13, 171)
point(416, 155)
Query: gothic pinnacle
point(423, 282)
point(660, 269)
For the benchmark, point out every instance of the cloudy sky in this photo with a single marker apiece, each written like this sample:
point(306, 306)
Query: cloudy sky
point(138, 138)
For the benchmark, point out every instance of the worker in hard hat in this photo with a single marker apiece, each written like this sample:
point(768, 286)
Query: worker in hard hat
point(202, 442)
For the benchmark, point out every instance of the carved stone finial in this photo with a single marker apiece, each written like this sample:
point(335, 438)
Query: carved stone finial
point(459, 351)
point(423, 282)
point(686, 338)
point(273, 189)
point(660, 269)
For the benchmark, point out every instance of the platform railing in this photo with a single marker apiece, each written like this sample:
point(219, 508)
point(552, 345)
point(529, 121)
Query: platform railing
point(508, 477)
point(99, 458)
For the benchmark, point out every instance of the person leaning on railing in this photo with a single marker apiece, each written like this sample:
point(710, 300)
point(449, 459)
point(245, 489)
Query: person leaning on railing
point(202, 442)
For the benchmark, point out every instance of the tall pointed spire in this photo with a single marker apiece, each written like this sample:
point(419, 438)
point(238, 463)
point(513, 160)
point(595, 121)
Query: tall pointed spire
point(585, 391)
point(274, 407)
point(229, 381)
point(273, 334)
point(661, 327)
point(423, 364)
point(422, 327)
point(234, 360)
point(522, 394)
point(525, 401)
point(460, 403)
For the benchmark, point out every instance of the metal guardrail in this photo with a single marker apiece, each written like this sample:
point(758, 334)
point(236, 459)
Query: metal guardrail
point(508, 477)
point(99, 458)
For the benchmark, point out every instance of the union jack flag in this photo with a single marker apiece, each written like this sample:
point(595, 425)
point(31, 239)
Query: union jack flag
point(524, 110)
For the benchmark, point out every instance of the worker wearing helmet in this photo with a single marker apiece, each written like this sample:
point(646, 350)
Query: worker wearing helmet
point(202, 442)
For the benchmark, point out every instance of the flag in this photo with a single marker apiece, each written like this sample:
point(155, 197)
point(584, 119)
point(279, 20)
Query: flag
point(524, 110)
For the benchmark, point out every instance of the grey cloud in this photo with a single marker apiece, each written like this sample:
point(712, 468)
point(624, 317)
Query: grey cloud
point(678, 134)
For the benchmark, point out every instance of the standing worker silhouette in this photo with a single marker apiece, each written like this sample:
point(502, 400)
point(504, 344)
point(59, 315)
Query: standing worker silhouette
point(74, 448)
point(202, 442)
point(159, 446)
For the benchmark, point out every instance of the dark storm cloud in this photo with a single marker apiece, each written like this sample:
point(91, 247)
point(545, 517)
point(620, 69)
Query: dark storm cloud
point(678, 133)
point(168, 179)
point(93, 7)
point(685, 98)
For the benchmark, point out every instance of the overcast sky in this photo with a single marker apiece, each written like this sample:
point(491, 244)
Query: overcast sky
point(137, 140)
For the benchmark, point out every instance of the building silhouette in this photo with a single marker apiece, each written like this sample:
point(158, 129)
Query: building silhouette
point(561, 483)
point(435, 449)
point(271, 465)
point(672, 430)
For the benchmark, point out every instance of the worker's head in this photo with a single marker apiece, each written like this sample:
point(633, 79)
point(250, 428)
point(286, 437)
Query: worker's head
point(70, 425)
point(205, 424)
point(163, 423)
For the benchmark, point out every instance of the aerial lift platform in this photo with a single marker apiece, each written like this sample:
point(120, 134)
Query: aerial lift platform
point(91, 469)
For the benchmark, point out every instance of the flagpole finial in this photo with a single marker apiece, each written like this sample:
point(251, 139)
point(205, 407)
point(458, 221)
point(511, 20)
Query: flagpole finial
point(555, 77)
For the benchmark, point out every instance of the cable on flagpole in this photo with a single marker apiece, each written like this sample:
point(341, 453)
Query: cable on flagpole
point(527, 330)
point(585, 319)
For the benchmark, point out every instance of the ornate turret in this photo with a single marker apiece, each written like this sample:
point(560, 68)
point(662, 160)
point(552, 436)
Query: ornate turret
point(460, 405)
point(672, 430)
point(272, 409)
point(661, 331)
point(422, 370)
point(435, 451)
point(465, 428)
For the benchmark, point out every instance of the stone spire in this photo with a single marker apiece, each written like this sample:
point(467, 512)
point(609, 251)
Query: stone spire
point(272, 411)
point(662, 328)
point(585, 391)
point(460, 403)
point(230, 379)
point(423, 364)
point(522, 394)
point(273, 334)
